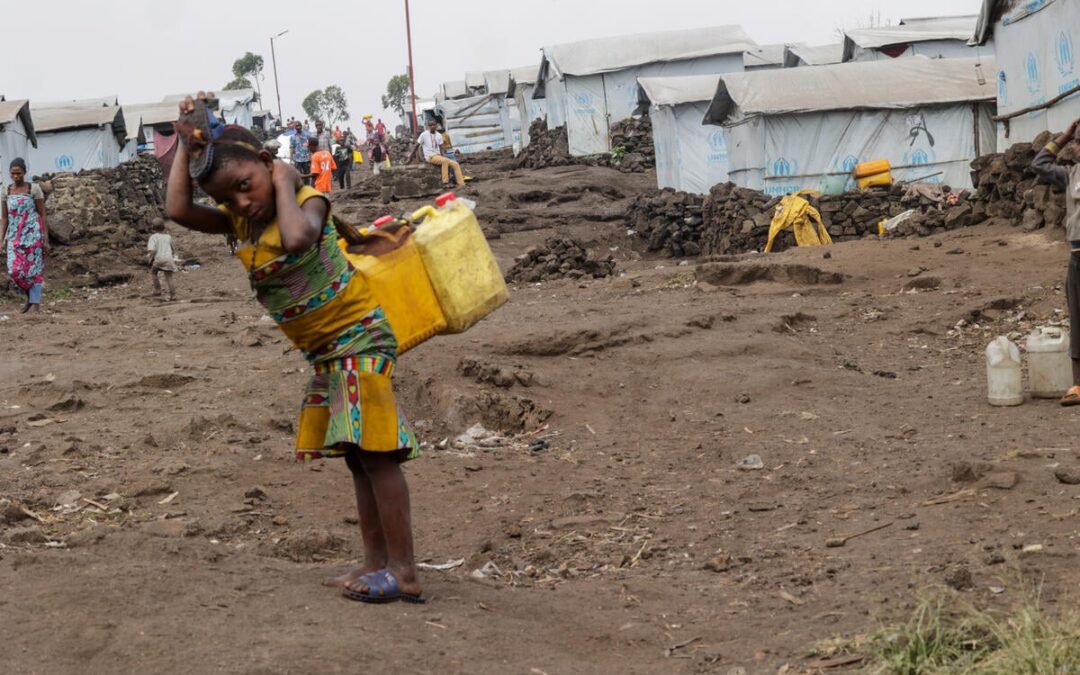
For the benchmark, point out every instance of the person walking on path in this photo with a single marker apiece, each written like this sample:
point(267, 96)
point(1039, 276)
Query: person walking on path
point(323, 135)
point(24, 230)
point(162, 259)
point(287, 242)
point(431, 143)
point(301, 154)
point(322, 168)
point(1067, 179)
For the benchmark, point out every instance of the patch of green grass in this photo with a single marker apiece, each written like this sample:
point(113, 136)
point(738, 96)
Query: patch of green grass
point(947, 636)
point(617, 155)
point(60, 293)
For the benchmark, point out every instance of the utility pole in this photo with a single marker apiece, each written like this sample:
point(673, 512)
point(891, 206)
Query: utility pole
point(412, 73)
point(277, 89)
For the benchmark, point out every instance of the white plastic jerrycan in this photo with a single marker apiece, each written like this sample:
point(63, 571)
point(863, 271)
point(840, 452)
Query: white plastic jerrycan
point(1049, 366)
point(1003, 378)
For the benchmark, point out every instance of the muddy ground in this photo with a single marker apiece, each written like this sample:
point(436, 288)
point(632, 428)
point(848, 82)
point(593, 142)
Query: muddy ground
point(156, 522)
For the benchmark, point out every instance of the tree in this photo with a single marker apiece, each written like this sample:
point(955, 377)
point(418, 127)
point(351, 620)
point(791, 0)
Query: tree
point(237, 83)
point(397, 94)
point(328, 105)
point(248, 65)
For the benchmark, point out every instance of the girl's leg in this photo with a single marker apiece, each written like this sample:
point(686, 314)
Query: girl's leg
point(169, 284)
point(375, 557)
point(157, 281)
point(391, 493)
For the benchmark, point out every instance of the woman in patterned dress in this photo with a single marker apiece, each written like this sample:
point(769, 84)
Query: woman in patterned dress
point(25, 233)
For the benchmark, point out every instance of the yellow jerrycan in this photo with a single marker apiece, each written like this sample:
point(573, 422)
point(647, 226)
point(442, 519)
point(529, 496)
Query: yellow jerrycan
point(389, 260)
point(463, 272)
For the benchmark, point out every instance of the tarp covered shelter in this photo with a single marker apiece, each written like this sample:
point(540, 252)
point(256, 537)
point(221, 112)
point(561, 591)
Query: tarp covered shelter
point(936, 37)
point(766, 56)
point(474, 123)
point(690, 156)
point(17, 136)
point(235, 105)
point(451, 90)
point(155, 119)
point(497, 83)
point(794, 129)
point(590, 85)
point(1038, 75)
point(134, 136)
point(796, 56)
point(521, 87)
point(78, 135)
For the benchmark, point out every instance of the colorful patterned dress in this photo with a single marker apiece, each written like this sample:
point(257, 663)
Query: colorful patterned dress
point(327, 311)
point(24, 240)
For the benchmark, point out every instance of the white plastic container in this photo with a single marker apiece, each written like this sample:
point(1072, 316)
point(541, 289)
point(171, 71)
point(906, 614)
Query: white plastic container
point(1005, 385)
point(1049, 365)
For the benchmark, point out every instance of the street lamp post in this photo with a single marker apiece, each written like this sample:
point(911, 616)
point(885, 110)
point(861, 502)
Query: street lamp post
point(412, 73)
point(277, 89)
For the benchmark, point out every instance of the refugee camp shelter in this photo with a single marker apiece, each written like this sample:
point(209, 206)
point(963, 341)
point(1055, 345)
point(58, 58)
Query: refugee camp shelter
point(766, 56)
point(155, 119)
point(1038, 76)
point(799, 128)
point(449, 91)
point(17, 137)
point(262, 119)
point(497, 84)
point(474, 123)
point(936, 37)
point(690, 156)
point(78, 135)
point(797, 56)
point(236, 106)
point(592, 84)
point(521, 87)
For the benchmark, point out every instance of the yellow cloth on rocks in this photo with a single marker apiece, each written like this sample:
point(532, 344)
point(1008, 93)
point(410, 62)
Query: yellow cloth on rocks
point(794, 212)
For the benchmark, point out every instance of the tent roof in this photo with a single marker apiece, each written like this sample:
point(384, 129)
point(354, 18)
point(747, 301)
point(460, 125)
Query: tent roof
point(522, 75)
point(892, 84)
point(474, 79)
point(99, 102)
point(454, 89)
point(766, 55)
point(229, 97)
point(59, 116)
point(497, 81)
point(821, 55)
point(151, 114)
point(609, 54)
point(132, 125)
point(20, 108)
point(910, 30)
point(1006, 11)
point(676, 90)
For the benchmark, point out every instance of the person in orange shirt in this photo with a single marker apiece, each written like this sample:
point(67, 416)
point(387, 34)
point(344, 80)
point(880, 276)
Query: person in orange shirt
point(322, 167)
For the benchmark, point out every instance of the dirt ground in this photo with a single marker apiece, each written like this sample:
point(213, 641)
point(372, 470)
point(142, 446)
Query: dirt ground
point(155, 520)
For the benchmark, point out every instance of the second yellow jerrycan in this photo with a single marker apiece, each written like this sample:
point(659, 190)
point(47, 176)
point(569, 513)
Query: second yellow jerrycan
point(459, 263)
point(388, 258)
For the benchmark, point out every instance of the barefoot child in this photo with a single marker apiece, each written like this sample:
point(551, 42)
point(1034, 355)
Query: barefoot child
point(161, 257)
point(287, 243)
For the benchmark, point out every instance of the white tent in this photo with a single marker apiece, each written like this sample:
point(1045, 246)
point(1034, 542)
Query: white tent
point(235, 105)
point(521, 87)
point(796, 56)
point(159, 115)
point(474, 123)
point(17, 137)
point(133, 136)
point(936, 37)
point(767, 56)
point(77, 135)
point(497, 83)
point(590, 85)
point(1038, 75)
point(690, 156)
point(793, 129)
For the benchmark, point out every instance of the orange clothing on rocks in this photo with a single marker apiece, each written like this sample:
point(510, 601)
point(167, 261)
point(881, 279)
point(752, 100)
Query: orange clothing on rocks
point(323, 167)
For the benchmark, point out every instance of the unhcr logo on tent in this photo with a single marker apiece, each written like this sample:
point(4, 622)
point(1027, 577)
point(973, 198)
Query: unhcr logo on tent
point(718, 147)
point(919, 157)
point(849, 163)
point(65, 163)
point(1063, 54)
point(1034, 82)
point(781, 167)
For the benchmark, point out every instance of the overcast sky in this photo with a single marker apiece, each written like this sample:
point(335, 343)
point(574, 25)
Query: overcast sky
point(143, 50)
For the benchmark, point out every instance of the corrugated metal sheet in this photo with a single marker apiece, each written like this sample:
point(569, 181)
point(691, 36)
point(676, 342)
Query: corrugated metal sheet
point(617, 53)
point(893, 84)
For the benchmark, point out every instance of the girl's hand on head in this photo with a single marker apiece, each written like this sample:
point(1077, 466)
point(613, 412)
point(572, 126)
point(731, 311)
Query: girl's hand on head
point(285, 176)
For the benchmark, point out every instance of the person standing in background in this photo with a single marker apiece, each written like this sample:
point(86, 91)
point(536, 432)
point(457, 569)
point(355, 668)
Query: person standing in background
point(301, 155)
point(25, 232)
point(323, 136)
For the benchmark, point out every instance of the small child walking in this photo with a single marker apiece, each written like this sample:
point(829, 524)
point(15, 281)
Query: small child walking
point(287, 242)
point(161, 258)
point(323, 167)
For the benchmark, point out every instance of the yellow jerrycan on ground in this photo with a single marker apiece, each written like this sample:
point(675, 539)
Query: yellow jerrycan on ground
point(459, 263)
point(389, 260)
